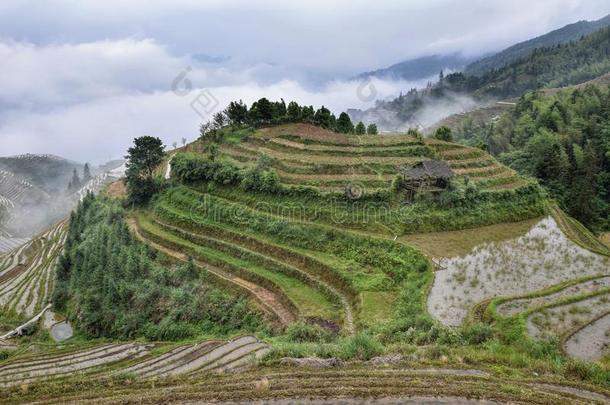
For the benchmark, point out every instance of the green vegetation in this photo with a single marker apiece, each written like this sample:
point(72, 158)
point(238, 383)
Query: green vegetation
point(110, 285)
point(564, 141)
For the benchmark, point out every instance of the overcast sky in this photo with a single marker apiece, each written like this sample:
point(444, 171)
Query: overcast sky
point(82, 78)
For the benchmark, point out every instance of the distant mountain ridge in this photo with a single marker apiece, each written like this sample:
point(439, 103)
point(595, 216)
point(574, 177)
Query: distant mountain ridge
point(419, 68)
point(570, 32)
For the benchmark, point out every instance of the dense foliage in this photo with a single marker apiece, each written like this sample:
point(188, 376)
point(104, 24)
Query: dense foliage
point(111, 285)
point(564, 141)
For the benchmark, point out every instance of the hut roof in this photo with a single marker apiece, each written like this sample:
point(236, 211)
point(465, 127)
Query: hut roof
point(438, 169)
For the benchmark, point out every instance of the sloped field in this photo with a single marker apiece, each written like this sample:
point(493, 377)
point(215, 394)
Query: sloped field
point(354, 384)
point(27, 278)
point(318, 273)
point(133, 359)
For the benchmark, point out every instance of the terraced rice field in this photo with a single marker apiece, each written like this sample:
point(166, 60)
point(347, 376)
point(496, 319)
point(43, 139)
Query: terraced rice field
point(355, 384)
point(133, 359)
point(293, 270)
point(592, 341)
point(560, 319)
point(15, 191)
point(541, 258)
point(287, 288)
point(307, 155)
point(518, 305)
point(27, 274)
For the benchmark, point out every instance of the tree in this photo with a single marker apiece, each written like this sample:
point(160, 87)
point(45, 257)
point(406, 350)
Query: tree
point(443, 133)
point(360, 129)
point(183, 141)
point(75, 182)
point(261, 112)
point(142, 160)
point(293, 112)
point(323, 118)
point(86, 173)
point(307, 114)
point(219, 120)
point(344, 124)
point(175, 144)
point(237, 113)
point(371, 129)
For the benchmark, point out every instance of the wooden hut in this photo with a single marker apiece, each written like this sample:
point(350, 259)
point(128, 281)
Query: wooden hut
point(428, 176)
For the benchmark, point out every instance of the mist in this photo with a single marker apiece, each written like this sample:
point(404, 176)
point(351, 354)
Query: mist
point(92, 113)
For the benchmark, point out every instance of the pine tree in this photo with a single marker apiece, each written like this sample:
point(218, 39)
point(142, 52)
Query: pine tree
point(86, 173)
point(344, 124)
point(76, 183)
point(371, 129)
point(360, 129)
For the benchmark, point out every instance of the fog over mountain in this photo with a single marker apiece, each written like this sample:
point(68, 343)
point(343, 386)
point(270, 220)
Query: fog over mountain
point(81, 81)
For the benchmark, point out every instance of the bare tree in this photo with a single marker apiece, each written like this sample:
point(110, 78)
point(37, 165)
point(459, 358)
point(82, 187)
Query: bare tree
point(183, 141)
point(175, 144)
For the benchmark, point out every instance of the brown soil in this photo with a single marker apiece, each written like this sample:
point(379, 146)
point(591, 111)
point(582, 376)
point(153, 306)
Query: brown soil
point(117, 189)
point(12, 273)
point(305, 131)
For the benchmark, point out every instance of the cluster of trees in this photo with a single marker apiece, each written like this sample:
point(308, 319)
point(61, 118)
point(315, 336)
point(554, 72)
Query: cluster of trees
point(564, 141)
point(264, 112)
point(110, 285)
point(75, 182)
point(560, 65)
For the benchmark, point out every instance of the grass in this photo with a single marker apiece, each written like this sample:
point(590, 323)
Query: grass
point(375, 305)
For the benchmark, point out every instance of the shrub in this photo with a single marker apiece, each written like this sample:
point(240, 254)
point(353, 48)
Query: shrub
point(301, 332)
point(477, 333)
point(361, 347)
point(578, 369)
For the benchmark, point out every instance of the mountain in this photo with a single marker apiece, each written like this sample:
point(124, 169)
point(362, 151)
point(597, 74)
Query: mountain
point(419, 68)
point(570, 32)
point(48, 172)
point(558, 66)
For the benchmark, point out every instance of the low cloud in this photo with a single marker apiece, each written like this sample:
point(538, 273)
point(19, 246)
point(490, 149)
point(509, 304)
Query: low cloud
point(88, 101)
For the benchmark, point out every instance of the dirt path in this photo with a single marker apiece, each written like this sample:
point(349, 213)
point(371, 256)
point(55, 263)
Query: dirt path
point(168, 168)
point(268, 300)
point(18, 329)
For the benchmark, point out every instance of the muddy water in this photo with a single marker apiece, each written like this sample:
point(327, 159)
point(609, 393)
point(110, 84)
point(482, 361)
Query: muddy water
point(61, 331)
point(542, 257)
point(591, 342)
point(516, 306)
